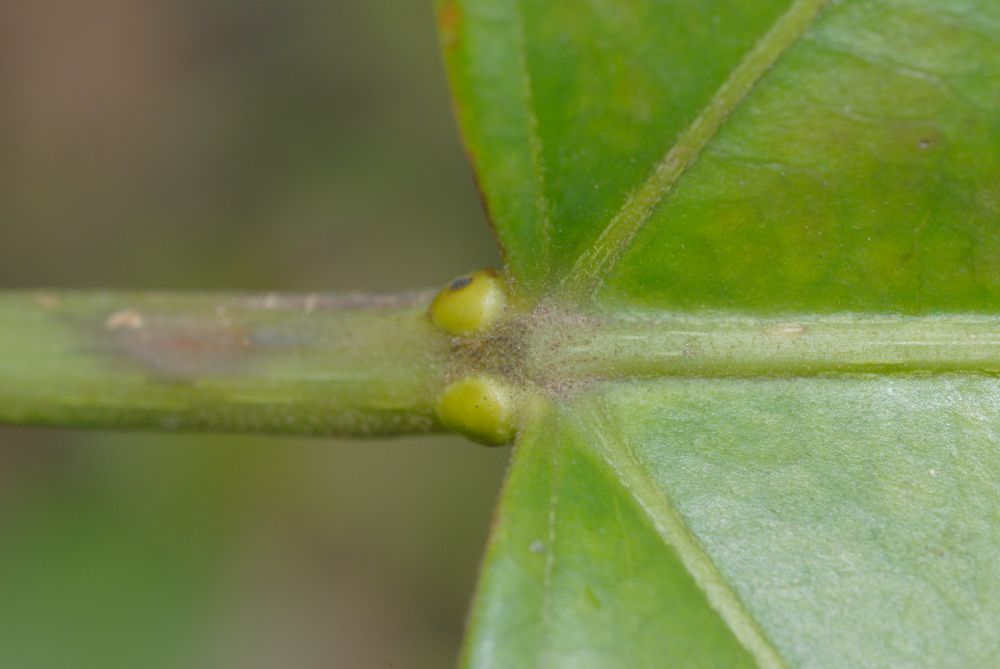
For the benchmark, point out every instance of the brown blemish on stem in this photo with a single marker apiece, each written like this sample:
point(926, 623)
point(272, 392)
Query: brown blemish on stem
point(185, 351)
point(46, 301)
point(129, 319)
point(223, 341)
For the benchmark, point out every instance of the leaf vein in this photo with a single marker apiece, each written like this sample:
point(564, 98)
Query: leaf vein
point(591, 266)
point(674, 531)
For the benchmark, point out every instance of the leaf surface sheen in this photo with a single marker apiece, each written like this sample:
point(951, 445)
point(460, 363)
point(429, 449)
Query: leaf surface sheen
point(778, 157)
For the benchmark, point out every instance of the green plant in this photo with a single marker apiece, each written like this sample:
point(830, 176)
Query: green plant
point(747, 335)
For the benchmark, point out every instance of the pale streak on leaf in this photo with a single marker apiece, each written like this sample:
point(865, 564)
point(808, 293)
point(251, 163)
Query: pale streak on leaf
point(600, 431)
point(603, 253)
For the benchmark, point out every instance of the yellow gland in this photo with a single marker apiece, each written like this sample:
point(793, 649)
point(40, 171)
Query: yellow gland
point(480, 407)
point(470, 304)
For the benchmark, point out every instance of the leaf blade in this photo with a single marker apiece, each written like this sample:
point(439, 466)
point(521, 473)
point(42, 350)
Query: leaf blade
point(857, 175)
point(855, 518)
point(600, 257)
point(551, 592)
point(812, 545)
point(609, 89)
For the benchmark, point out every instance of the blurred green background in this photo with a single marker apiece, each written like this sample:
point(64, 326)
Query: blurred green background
point(259, 144)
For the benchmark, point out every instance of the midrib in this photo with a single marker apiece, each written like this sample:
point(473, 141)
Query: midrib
point(564, 348)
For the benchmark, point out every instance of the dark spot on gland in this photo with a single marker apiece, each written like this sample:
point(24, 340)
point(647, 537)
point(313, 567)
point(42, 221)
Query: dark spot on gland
point(460, 283)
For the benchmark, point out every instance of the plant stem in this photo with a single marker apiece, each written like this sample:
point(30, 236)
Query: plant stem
point(309, 364)
point(367, 365)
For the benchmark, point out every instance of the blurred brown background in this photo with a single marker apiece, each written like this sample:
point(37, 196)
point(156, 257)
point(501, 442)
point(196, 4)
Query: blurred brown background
point(259, 144)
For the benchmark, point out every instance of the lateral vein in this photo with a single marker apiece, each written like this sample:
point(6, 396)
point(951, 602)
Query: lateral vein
point(611, 243)
point(674, 531)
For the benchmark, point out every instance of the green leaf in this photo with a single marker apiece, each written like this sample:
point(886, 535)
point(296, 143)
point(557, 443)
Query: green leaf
point(814, 522)
point(576, 574)
point(765, 486)
point(733, 154)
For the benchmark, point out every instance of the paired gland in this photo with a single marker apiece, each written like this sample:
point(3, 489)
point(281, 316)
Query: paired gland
point(481, 407)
